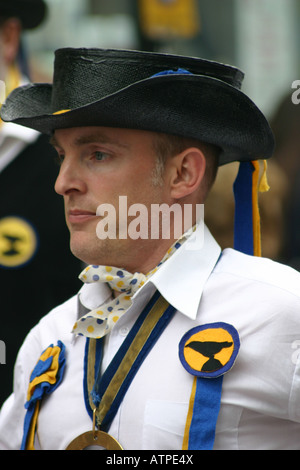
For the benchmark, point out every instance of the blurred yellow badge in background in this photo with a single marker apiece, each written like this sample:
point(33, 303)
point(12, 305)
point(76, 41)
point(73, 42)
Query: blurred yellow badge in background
point(18, 242)
point(161, 19)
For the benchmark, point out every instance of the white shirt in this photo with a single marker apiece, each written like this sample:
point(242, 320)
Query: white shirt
point(260, 404)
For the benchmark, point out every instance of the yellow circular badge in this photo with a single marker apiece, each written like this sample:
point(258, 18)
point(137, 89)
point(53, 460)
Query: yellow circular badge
point(209, 350)
point(18, 242)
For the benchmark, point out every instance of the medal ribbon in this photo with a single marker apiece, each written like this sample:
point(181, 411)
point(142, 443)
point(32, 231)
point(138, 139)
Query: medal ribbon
point(203, 413)
point(109, 389)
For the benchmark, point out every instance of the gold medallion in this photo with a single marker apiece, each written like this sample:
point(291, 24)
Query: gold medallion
point(94, 438)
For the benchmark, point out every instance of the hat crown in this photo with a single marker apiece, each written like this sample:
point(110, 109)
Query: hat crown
point(83, 76)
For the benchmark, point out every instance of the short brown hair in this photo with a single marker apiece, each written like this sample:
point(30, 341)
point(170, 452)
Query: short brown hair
point(167, 145)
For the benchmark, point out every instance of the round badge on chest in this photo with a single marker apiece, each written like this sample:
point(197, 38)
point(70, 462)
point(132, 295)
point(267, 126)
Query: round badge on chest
point(209, 350)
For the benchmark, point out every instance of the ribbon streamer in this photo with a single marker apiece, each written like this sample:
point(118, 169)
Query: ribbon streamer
point(207, 352)
point(203, 413)
point(247, 234)
point(44, 379)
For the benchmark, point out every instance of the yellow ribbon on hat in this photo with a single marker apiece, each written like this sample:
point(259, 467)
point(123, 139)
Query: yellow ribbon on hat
point(258, 186)
point(62, 111)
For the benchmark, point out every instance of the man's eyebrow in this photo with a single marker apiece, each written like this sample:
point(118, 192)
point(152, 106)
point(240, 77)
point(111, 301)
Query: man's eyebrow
point(98, 138)
point(91, 138)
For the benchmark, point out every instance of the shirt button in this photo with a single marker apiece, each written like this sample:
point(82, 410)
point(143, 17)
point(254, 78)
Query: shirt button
point(124, 331)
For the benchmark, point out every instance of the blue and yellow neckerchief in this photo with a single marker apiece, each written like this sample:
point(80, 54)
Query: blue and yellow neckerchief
point(106, 392)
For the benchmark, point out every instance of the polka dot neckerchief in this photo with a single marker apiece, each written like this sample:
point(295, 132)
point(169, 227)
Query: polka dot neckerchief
point(99, 322)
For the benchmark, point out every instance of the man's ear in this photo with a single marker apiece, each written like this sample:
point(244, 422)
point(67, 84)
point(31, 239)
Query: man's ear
point(10, 37)
point(187, 172)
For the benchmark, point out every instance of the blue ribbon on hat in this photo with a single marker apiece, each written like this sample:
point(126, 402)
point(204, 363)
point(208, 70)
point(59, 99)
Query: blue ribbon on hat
point(243, 218)
point(179, 71)
point(247, 237)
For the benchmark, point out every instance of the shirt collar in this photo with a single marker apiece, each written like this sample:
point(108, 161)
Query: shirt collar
point(181, 279)
point(93, 295)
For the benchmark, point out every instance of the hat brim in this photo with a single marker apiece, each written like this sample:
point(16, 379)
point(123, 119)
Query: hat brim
point(194, 106)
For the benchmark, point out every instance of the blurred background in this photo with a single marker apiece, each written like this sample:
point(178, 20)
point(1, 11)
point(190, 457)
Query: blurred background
point(262, 37)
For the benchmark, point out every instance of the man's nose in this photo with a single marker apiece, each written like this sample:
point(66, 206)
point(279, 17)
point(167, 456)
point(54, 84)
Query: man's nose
point(69, 178)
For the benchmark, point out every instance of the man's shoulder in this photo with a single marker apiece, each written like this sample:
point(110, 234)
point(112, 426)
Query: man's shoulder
point(61, 317)
point(55, 325)
point(259, 270)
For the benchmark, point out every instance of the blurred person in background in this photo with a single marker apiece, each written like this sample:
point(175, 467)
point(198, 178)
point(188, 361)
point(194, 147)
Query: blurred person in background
point(33, 234)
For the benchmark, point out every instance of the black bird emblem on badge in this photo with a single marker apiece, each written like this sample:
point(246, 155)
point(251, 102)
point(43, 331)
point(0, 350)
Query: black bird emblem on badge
point(209, 349)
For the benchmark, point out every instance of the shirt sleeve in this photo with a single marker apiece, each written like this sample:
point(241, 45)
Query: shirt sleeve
point(294, 405)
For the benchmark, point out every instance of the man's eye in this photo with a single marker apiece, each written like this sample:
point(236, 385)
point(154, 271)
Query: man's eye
point(100, 155)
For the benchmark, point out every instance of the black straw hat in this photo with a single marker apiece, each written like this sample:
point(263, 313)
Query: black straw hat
point(30, 12)
point(178, 95)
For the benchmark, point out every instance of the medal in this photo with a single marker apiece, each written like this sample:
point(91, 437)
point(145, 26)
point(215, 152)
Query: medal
point(94, 438)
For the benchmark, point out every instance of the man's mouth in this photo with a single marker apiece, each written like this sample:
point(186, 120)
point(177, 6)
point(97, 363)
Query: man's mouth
point(77, 216)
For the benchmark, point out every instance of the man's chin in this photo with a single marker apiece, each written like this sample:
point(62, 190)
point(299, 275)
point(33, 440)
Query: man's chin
point(91, 250)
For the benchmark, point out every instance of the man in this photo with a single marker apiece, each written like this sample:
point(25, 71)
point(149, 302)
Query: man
point(32, 226)
point(137, 359)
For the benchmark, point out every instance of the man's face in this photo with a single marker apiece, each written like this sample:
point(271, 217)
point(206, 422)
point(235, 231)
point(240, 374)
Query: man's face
point(99, 164)
point(10, 31)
